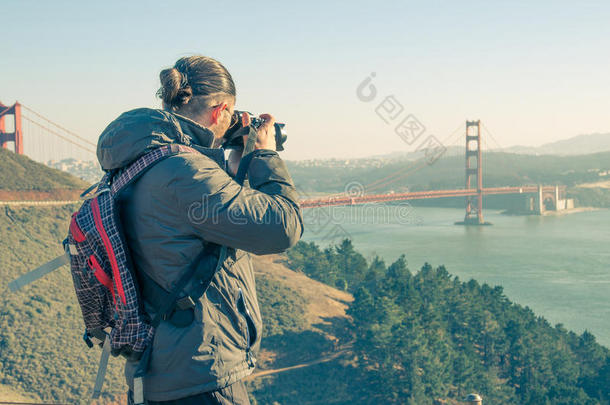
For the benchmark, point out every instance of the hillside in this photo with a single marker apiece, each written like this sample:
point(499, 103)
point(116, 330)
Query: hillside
point(20, 173)
point(425, 336)
point(322, 301)
point(336, 328)
point(499, 169)
point(576, 145)
point(41, 350)
point(40, 326)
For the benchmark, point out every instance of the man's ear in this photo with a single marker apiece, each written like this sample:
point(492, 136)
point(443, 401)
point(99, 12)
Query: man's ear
point(216, 112)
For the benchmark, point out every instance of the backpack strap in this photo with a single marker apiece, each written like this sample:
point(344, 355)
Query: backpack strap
point(143, 163)
point(40, 271)
point(181, 314)
point(101, 370)
point(165, 309)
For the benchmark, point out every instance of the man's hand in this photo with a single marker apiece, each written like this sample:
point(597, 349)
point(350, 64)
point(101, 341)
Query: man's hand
point(266, 132)
point(265, 140)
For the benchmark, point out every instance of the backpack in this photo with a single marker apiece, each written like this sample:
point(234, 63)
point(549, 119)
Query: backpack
point(106, 285)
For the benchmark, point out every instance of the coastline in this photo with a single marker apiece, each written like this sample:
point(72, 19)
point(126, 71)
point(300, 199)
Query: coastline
point(553, 213)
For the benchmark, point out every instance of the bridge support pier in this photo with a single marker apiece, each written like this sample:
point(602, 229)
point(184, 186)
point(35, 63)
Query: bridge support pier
point(544, 199)
point(539, 202)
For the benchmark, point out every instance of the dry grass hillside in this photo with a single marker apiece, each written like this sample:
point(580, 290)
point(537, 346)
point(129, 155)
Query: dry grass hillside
point(304, 319)
point(323, 301)
point(298, 362)
point(8, 394)
point(20, 173)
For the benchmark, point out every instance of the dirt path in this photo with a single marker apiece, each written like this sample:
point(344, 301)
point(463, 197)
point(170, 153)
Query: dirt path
point(324, 304)
point(308, 364)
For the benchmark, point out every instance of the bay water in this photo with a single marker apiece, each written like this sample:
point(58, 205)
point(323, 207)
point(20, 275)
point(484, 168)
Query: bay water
point(559, 266)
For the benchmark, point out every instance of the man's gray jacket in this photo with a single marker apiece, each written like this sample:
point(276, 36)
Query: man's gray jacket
point(168, 214)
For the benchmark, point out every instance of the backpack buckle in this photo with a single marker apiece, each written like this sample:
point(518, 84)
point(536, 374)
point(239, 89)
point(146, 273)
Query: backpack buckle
point(94, 337)
point(185, 303)
point(182, 313)
point(87, 339)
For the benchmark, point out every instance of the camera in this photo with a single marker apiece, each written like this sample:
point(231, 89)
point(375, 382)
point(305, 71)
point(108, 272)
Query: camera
point(233, 136)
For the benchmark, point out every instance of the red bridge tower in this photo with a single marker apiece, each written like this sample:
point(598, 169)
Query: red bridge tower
point(17, 135)
point(474, 175)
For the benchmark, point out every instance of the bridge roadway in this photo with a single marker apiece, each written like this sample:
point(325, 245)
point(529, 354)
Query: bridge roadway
point(335, 200)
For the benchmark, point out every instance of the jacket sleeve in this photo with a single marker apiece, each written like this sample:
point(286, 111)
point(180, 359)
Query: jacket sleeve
point(262, 218)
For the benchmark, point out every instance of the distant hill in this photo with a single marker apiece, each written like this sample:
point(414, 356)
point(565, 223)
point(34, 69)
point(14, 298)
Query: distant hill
point(499, 169)
point(416, 155)
point(577, 145)
point(20, 173)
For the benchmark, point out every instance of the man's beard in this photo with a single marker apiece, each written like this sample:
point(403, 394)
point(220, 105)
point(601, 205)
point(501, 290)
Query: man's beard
point(217, 142)
point(218, 136)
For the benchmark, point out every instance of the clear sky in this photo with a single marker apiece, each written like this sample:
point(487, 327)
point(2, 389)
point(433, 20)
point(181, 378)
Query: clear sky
point(533, 71)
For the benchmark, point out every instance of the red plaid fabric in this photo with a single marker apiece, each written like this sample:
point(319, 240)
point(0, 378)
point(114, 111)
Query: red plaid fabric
point(139, 166)
point(102, 271)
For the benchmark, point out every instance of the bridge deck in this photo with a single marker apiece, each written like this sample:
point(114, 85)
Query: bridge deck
point(416, 195)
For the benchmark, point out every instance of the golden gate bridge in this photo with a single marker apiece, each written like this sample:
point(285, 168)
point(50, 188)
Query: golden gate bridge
point(46, 140)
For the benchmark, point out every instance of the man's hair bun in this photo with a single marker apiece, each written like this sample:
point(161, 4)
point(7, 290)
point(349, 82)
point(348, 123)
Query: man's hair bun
point(175, 90)
point(193, 76)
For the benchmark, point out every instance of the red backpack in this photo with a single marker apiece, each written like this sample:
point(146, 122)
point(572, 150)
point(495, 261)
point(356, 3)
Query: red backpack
point(104, 278)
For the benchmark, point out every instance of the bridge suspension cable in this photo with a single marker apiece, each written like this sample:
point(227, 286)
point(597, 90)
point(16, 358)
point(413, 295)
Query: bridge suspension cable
point(510, 158)
point(491, 136)
point(409, 170)
point(58, 135)
point(417, 165)
point(49, 142)
point(58, 126)
point(455, 137)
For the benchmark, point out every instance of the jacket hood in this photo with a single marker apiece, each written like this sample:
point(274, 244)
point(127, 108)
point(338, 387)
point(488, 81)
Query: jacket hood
point(136, 132)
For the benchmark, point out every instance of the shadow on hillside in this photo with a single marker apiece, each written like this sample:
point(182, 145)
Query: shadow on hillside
point(293, 348)
point(296, 347)
point(309, 384)
point(338, 329)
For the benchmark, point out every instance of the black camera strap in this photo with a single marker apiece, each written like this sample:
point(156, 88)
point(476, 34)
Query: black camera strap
point(246, 156)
